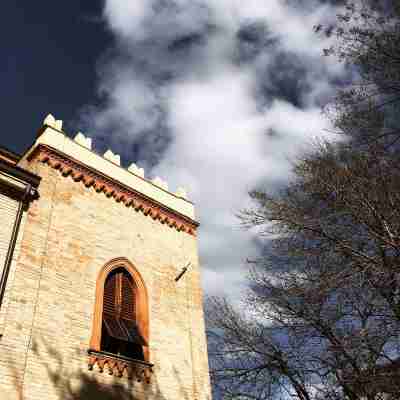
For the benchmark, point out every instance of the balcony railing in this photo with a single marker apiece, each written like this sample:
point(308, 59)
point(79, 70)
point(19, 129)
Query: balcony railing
point(118, 365)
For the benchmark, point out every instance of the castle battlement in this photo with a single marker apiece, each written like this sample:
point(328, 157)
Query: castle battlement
point(108, 165)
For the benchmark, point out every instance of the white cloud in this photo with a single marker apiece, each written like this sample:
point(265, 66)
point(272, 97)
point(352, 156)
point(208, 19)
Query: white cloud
point(126, 18)
point(138, 114)
point(177, 75)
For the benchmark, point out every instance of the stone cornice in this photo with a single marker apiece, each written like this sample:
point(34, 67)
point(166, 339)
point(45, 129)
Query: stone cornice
point(112, 188)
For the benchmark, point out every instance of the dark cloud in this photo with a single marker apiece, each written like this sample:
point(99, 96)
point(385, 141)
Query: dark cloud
point(186, 42)
point(160, 57)
point(150, 146)
point(252, 40)
point(284, 78)
point(145, 147)
point(309, 5)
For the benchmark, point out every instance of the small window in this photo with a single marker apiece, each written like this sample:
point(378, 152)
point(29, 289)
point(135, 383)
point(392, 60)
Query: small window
point(120, 333)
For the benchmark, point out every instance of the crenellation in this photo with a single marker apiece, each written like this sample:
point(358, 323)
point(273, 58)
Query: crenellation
point(51, 121)
point(58, 124)
point(115, 158)
point(136, 170)
point(83, 140)
point(53, 136)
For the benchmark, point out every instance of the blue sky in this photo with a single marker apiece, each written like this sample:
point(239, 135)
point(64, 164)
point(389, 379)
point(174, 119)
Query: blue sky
point(213, 95)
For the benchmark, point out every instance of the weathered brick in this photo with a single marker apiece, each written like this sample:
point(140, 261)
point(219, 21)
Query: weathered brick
point(69, 234)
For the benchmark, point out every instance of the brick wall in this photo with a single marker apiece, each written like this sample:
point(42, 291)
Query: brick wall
point(70, 233)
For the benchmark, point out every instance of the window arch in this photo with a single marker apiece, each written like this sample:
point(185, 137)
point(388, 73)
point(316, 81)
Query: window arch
point(120, 322)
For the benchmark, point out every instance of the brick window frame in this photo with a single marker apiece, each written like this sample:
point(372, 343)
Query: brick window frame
point(141, 300)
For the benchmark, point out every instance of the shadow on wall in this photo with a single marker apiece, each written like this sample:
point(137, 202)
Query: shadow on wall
point(83, 385)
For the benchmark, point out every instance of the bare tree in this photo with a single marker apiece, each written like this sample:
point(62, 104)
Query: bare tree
point(321, 319)
point(325, 299)
point(367, 33)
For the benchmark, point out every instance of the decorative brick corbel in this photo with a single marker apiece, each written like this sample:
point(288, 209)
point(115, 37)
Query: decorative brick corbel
point(111, 188)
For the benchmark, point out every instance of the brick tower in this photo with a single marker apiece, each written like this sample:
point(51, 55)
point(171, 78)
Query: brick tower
point(103, 300)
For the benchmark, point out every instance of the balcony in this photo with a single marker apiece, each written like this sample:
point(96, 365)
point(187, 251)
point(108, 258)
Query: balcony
point(118, 365)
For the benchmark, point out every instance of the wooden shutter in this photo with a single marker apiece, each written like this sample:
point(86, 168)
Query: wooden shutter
point(109, 302)
point(110, 307)
point(114, 327)
point(132, 331)
point(127, 297)
point(119, 309)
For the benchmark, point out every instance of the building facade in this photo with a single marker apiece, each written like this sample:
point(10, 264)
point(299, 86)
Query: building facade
point(103, 297)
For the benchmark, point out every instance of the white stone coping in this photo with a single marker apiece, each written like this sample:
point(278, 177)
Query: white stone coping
point(58, 140)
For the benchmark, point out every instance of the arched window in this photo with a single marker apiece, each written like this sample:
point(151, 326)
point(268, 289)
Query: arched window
point(120, 334)
point(120, 323)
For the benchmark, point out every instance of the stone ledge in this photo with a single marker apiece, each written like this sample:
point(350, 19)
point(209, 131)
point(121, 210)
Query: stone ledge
point(111, 188)
point(117, 365)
